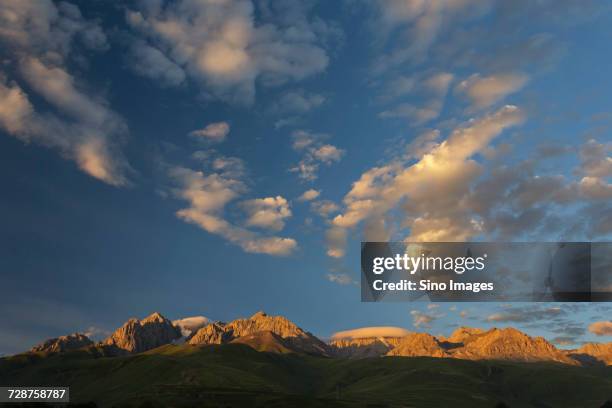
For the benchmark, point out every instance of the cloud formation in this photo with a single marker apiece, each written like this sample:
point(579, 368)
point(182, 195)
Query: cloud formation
point(340, 278)
point(227, 46)
point(297, 101)
point(41, 37)
point(367, 332)
point(486, 91)
point(207, 196)
point(431, 91)
point(431, 190)
point(419, 24)
point(214, 132)
point(189, 325)
point(315, 153)
point(269, 213)
point(324, 207)
point(421, 319)
point(309, 195)
point(603, 328)
point(525, 314)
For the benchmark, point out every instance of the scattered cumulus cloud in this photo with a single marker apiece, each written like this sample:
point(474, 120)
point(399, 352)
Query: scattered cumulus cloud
point(297, 101)
point(207, 196)
point(484, 92)
point(227, 166)
point(431, 91)
point(315, 153)
point(41, 37)
point(324, 208)
point(150, 62)
point(421, 319)
point(430, 189)
point(269, 213)
point(603, 328)
point(340, 278)
point(327, 153)
point(419, 24)
point(214, 132)
point(228, 46)
point(525, 314)
point(309, 195)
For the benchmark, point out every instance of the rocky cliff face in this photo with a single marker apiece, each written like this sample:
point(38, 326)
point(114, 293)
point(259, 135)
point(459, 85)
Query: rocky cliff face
point(293, 336)
point(280, 335)
point(212, 333)
point(363, 347)
point(419, 345)
point(593, 353)
point(136, 336)
point(461, 334)
point(508, 344)
point(465, 343)
point(63, 343)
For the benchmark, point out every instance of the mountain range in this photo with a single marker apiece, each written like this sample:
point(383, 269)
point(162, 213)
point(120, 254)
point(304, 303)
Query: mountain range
point(269, 361)
point(278, 334)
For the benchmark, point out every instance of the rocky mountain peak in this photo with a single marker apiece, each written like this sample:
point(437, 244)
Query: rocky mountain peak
point(212, 333)
point(260, 321)
point(510, 344)
point(294, 337)
point(418, 345)
point(463, 333)
point(136, 336)
point(63, 343)
point(595, 353)
point(258, 315)
point(154, 317)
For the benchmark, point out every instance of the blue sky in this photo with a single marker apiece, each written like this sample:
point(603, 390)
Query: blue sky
point(221, 157)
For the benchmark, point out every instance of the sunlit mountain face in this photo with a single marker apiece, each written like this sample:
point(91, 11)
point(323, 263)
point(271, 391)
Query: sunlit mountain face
point(213, 158)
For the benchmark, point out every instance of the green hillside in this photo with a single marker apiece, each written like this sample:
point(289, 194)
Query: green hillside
point(235, 375)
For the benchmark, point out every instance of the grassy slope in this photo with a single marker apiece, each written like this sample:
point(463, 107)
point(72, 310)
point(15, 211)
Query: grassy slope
point(235, 375)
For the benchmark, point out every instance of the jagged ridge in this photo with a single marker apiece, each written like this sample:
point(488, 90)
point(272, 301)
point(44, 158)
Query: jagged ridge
point(280, 335)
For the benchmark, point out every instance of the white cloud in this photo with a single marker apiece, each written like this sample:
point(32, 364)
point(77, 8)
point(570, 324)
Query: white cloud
point(420, 319)
point(214, 132)
point(419, 23)
point(207, 196)
point(269, 212)
point(431, 90)
point(368, 332)
point(96, 333)
point(603, 328)
point(595, 159)
point(297, 102)
point(303, 139)
point(150, 62)
point(486, 91)
point(340, 278)
point(228, 167)
point(596, 168)
point(522, 314)
point(315, 152)
point(190, 325)
point(324, 207)
point(226, 48)
point(15, 109)
point(431, 190)
point(327, 153)
point(309, 195)
point(41, 37)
